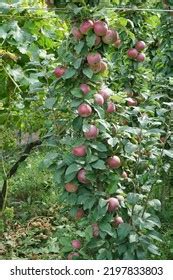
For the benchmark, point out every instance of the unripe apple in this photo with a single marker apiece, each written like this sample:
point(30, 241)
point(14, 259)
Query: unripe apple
point(72, 255)
point(86, 26)
point(93, 58)
point(95, 230)
point(97, 41)
point(124, 175)
point(79, 214)
point(79, 151)
point(84, 110)
point(132, 53)
point(140, 45)
point(111, 108)
point(118, 221)
point(105, 92)
point(85, 88)
point(100, 28)
point(59, 71)
point(70, 187)
point(114, 162)
point(103, 66)
point(113, 204)
point(76, 244)
point(110, 37)
point(131, 102)
point(76, 33)
point(99, 99)
point(140, 57)
point(92, 132)
point(117, 43)
point(96, 68)
point(81, 175)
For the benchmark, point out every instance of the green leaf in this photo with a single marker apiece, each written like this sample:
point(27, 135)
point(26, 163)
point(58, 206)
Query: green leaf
point(77, 123)
point(168, 153)
point(78, 48)
point(73, 168)
point(90, 39)
point(77, 92)
point(88, 72)
point(102, 202)
point(50, 102)
point(100, 164)
point(98, 146)
point(58, 175)
point(77, 63)
point(69, 73)
point(106, 227)
point(123, 231)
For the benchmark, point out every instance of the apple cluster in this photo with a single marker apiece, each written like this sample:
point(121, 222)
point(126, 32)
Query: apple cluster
point(136, 53)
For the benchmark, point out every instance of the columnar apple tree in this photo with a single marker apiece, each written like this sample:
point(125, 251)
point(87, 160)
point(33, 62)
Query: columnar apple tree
point(92, 171)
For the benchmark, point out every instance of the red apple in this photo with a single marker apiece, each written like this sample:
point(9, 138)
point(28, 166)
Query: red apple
point(84, 110)
point(81, 175)
point(140, 57)
point(131, 102)
point(99, 99)
point(114, 162)
point(100, 28)
point(105, 92)
point(79, 214)
point(59, 71)
point(85, 88)
point(95, 229)
point(76, 244)
point(79, 151)
point(111, 108)
point(70, 187)
point(132, 53)
point(92, 132)
point(113, 204)
point(93, 58)
point(140, 45)
point(86, 26)
point(110, 37)
point(76, 33)
point(72, 255)
point(118, 221)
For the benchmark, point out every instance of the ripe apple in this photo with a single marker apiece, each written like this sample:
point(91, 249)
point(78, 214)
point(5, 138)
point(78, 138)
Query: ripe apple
point(118, 221)
point(100, 28)
point(140, 57)
point(132, 102)
point(59, 71)
point(79, 151)
point(111, 108)
point(105, 92)
point(86, 26)
point(140, 45)
point(81, 175)
point(70, 187)
point(99, 99)
point(84, 110)
point(93, 58)
point(110, 37)
point(113, 204)
point(124, 175)
point(85, 88)
point(92, 132)
point(72, 255)
point(114, 162)
point(79, 214)
point(95, 229)
point(76, 244)
point(76, 33)
point(132, 53)
point(96, 68)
